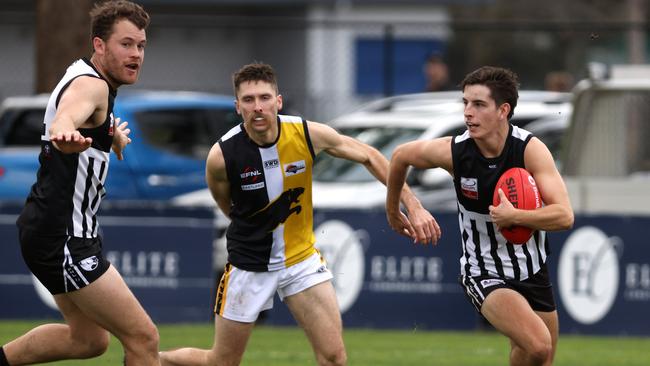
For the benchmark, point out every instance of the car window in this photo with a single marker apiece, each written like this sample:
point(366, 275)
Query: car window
point(188, 132)
point(385, 139)
point(22, 128)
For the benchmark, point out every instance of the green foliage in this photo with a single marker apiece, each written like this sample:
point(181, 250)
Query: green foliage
point(275, 346)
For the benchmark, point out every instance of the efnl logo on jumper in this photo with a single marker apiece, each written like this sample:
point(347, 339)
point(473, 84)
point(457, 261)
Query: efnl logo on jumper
point(251, 179)
point(588, 274)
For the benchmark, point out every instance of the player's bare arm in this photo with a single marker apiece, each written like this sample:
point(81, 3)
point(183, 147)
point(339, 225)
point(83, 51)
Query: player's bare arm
point(420, 224)
point(556, 213)
point(217, 179)
point(83, 104)
point(421, 154)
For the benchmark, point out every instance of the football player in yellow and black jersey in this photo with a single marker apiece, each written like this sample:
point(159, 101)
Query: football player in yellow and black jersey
point(508, 284)
point(58, 227)
point(259, 173)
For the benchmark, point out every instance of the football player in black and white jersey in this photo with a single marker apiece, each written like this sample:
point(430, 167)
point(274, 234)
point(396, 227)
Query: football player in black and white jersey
point(508, 284)
point(58, 226)
point(259, 173)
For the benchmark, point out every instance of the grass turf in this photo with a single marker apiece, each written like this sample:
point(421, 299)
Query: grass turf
point(285, 346)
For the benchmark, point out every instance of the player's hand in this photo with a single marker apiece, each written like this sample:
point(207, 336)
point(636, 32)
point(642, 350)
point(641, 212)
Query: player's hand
point(70, 142)
point(400, 223)
point(425, 229)
point(503, 214)
point(120, 138)
point(421, 227)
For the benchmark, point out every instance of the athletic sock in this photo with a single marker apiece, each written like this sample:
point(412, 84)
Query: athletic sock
point(3, 358)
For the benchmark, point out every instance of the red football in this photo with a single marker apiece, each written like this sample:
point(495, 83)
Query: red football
point(521, 190)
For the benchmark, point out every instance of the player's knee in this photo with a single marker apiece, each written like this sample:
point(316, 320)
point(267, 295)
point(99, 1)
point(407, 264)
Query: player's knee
point(335, 358)
point(150, 337)
point(541, 351)
point(93, 346)
point(145, 338)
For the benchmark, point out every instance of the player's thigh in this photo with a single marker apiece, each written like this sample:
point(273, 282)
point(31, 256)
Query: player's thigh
point(110, 303)
point(316, 310)
point(81, 326)
point(552, 324)
point(230, 338)
point(509, 312)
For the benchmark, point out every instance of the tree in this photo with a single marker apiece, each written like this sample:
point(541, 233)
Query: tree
point(62, 36)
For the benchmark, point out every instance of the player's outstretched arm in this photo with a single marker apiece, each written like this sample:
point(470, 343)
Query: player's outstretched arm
point(84, 97)
point(217, 179)
point(421, 154)
point(419, 225)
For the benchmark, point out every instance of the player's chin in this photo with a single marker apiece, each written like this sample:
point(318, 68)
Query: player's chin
point(129, 78)
point(128, 81)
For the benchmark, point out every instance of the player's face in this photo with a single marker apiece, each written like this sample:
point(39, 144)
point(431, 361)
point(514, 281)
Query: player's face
point(258, 103)
point(123, 53)
point(482, 115)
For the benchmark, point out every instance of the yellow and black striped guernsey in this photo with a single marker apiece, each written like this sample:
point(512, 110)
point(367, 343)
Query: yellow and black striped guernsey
point(270, 188)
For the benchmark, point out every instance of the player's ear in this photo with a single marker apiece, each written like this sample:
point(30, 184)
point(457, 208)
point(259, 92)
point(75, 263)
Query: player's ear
point(279, 102)
point(237, 107)
point(504, 110)
point(98, 45)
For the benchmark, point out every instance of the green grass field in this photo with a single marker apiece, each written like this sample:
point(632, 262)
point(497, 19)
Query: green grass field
point(274, 346)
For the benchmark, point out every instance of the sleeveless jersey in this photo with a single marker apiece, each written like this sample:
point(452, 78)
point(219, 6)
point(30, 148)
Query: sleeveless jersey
point(69, 187)
point(485, 250)
point(270, 186)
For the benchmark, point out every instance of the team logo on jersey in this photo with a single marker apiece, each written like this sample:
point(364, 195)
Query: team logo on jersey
point(278, 211)
point(491, 282)
point(89, 264)
point(469, 187)
point(251, 179)
point(294, 168)
point(111, 128)
point(270, 164)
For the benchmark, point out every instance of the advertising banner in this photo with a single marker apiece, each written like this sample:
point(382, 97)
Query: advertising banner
point(163, 253)
point(600, 272)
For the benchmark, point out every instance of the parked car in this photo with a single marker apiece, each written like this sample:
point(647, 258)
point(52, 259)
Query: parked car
point(388, 122)
point(172, 133)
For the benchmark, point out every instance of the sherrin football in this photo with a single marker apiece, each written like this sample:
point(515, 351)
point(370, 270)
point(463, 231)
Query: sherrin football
point(521, 190)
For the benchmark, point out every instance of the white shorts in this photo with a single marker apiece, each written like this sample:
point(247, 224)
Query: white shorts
point(242, 295)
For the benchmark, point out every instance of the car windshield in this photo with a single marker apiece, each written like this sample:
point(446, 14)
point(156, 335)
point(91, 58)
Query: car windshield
point(188, 132)
point(385, 139)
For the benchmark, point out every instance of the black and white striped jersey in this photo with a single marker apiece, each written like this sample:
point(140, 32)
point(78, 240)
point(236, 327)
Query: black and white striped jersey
point(485, 250)
point(69, 187)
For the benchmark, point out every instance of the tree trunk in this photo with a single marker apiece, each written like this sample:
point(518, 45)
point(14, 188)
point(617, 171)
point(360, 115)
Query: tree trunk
point(62, 36)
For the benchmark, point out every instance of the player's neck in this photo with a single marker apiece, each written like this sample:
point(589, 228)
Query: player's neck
point(492, 145)
point(265, 137)
point(100, 69)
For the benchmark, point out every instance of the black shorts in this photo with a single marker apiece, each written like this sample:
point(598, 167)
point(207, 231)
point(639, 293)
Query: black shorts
point(63, 263)
point(537, 290)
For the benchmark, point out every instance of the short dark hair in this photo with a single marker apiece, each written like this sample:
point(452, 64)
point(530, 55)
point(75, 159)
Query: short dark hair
point(256, 71)
point(104, 15)
point(503, 84)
